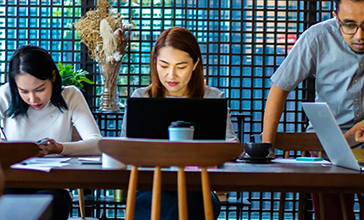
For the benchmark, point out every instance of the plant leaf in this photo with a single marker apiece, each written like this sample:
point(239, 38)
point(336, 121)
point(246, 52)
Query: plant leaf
point(71, 77)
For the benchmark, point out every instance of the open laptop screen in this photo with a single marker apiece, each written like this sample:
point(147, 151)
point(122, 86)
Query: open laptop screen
point(150, 117)
point(330, 134)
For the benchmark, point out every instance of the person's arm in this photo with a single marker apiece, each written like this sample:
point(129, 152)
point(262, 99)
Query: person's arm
point(5, 99)
point(86, 126)
point(273, 111)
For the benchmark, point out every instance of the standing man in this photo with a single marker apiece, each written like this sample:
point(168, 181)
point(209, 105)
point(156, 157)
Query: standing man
point(333, 52)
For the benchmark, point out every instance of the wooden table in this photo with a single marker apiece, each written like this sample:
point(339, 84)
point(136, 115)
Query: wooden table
point(276, 177)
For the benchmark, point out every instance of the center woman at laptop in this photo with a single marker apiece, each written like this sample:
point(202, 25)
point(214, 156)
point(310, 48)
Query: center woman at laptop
point(176, 71)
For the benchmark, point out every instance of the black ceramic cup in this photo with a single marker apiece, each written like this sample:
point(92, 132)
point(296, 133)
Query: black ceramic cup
point(257, 149)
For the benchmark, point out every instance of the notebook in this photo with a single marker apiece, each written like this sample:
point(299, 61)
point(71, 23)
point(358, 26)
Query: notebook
point(330, 135)
point(150, 117)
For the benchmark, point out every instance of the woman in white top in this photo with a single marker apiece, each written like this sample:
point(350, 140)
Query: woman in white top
point(34, 105)
point(176, 71)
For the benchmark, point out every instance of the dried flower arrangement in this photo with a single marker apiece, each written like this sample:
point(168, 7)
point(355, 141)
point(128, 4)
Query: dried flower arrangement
point(104, 32)
point(106, 35)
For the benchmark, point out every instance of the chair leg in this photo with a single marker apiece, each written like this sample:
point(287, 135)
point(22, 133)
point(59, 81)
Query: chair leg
point(286, 154)
point(130, 204)
point(227, 210)
point(303, 153)
point(343, 206)
point(237, 208)
point(156, 199)
point(182, 199)
point(81, 202)
point(239, 211)
point(209, 215)
point(282, 202)
point(301, 201)
point(322, 206)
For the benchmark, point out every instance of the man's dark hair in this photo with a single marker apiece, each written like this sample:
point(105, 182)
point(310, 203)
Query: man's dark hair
point(338, 2)
point(38, 63)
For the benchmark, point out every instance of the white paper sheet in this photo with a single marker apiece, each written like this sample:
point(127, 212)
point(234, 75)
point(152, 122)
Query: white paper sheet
point(42, 163)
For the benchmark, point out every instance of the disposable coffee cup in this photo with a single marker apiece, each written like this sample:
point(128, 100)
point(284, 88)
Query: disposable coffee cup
point(111, 163)
point(180, 131)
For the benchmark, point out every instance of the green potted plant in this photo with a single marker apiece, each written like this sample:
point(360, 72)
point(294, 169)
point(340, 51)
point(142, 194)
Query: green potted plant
point(71, 77)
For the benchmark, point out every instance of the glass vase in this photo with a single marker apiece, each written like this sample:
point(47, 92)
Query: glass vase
point(109, 101)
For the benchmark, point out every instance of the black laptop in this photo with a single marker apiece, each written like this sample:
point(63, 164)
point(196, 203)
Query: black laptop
point(150, 117)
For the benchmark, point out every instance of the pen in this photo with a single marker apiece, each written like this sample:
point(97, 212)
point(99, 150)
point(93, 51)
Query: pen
point(2, 133)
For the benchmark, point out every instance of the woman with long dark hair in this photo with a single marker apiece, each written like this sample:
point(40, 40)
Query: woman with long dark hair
point(34, 106)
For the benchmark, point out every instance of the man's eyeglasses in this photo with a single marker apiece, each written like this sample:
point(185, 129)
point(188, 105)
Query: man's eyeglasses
point(350, 28)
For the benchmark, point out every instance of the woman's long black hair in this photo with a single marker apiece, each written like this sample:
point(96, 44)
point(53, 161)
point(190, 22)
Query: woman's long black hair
point(38, 63)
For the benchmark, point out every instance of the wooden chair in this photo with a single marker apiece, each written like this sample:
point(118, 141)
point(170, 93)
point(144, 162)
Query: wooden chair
point(34, 207)
point(303, 142)
point(14, 152)
point(164, 153)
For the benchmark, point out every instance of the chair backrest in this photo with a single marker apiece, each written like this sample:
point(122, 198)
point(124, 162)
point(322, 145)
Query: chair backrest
point(146, 152)
point(13, 152)
point(298, 141)
point(160, 153)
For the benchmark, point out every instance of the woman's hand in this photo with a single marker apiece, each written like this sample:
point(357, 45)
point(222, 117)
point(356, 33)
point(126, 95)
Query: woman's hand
point(358, 131)
point(51, 147)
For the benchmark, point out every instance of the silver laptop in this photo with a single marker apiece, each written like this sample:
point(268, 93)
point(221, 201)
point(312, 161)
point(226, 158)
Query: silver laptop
point(330, 135)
